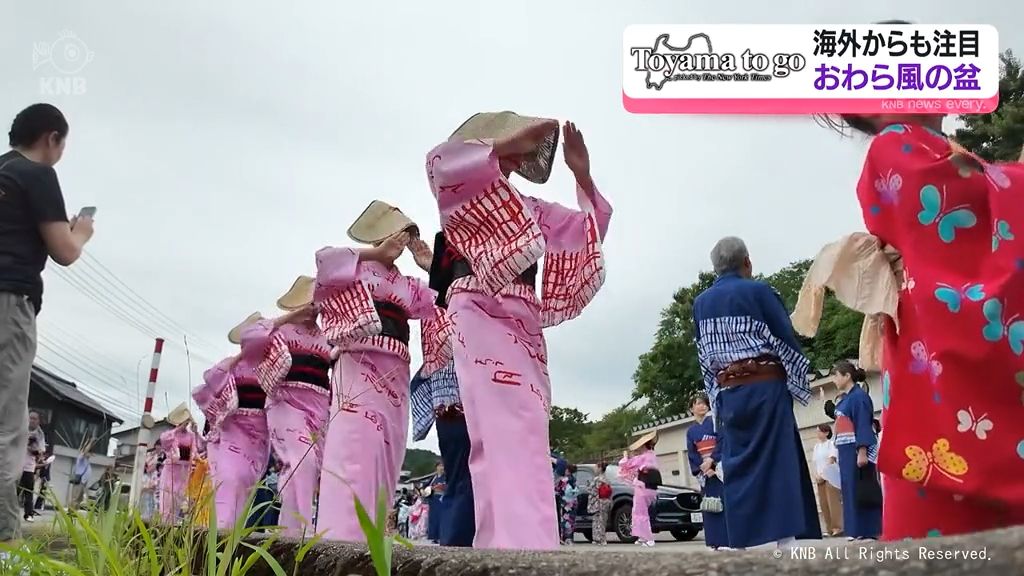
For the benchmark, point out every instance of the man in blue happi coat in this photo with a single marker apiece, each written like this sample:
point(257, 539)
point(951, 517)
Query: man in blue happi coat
point(753, 370)
point(435, 401)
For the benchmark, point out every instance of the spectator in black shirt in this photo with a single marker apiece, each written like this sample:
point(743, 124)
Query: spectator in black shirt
point(33, 226)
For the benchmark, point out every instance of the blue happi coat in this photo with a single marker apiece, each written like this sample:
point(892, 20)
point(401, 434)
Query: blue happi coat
point(768, 492)
point(715, 534)
point(854, 414)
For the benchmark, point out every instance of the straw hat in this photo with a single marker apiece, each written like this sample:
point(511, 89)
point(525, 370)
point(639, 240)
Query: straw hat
point(649, 437)
point(235, 335)
point(299, 295)
point(495, 125)
point(378, 222)
point(179, 415)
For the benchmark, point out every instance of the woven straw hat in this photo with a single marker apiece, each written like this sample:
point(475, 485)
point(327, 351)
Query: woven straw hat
point(179, 415)
point(378, 222)
point(495, 125)
point(235, 335)
point(299, 295)
point(650, 436)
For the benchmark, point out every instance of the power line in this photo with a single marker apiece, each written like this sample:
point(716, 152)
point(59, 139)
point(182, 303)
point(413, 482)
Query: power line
point(104, 378)
point(90, 293)
point(139, 325)
point(105, 273)
point(79, 341)
point(121, 403)
point(111, 402)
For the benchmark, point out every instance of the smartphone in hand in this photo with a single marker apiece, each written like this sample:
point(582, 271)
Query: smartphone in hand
point(87, 212)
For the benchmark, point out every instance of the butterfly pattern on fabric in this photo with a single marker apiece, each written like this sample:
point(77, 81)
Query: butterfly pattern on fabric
point(886, 389)
point(1019, 377)
point(924, 362)
point(954, 297)
point(1000, 231)
point(967, 422)
point(998, 326)
point(946, 219)
point(888, 187)
point(941, 459)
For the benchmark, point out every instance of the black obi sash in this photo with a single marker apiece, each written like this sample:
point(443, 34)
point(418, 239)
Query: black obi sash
point(251, 394)
point(394, 321)
point(309, 369)
point(448, 266)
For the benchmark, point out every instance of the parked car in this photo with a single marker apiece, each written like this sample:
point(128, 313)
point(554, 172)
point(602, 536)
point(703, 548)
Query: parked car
point(676, 511)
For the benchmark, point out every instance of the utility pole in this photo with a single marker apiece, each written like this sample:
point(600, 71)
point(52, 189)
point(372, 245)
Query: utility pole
point(146, 427)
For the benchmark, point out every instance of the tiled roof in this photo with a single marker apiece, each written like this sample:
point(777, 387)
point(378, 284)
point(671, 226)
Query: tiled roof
point(68, 391)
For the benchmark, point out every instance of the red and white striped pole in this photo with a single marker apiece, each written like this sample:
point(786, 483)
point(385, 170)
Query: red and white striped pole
point(146, 427)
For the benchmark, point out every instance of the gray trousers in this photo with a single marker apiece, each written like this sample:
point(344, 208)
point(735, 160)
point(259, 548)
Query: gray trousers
point(17, 352)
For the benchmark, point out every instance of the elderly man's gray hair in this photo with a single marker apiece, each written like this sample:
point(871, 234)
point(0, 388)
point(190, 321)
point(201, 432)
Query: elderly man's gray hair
point(729, 255)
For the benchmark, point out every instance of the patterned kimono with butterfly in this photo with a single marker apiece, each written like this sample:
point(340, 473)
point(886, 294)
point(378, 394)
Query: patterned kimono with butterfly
point(953, 456)
point(497, 320)
point(365, 308)
point(853, 431)
point(294, 375)
point(701, 443)
point(238, 444)
point(180, 446)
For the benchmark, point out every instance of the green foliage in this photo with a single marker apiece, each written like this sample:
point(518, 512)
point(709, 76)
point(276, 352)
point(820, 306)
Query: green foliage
point(117, 542)
point(380, 543)
point(566, 428)
point(420, 462)
point(584, 441)
point(999, 135)
point(668, 375)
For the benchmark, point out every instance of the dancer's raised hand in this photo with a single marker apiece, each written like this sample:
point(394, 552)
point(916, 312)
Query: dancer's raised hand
point(422, 253)
point(575, 152)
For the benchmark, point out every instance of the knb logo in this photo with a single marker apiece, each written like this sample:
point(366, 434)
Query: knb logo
point(67, 56)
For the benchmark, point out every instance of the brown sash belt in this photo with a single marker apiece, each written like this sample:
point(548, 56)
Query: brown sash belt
point(751, 371)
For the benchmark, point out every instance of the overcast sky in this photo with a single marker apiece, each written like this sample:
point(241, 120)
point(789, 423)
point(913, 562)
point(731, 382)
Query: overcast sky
point(225, 142)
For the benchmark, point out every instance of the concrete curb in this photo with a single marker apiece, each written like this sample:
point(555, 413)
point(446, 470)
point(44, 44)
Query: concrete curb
point(991, 553)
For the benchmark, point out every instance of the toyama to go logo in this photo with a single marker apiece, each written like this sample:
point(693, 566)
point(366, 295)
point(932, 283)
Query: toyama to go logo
point(67, 56)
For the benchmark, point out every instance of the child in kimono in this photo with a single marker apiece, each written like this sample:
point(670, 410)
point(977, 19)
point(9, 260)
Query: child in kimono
point(497, 236)
point(705, 457)
point(238, 443)
point(953, 358)
point(365, 305)
point(636, 469)
point(180, 445)
point(294, 376)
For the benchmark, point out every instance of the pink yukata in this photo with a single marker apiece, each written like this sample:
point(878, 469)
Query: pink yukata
point(180, 446)
point(497, 321)
point(365, 308)
point(643, 497)
point(294, 375)
point(238, 444)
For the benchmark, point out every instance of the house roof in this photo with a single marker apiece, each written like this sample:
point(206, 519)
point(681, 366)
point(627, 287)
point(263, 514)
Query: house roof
point(68, 392)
